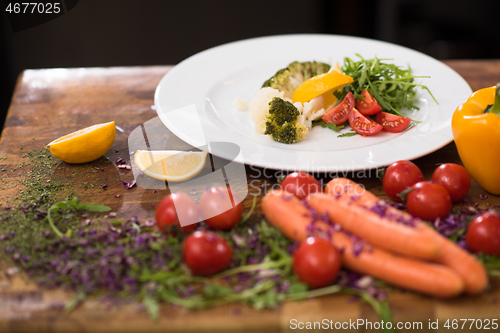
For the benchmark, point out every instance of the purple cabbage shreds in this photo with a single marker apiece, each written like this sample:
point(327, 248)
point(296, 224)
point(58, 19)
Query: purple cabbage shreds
point(482, 196)
point(358, 245)
point(6, 208)
point(117, 196)
point(129, 185)
point(292, 248)
point(379, 208)
point(119, 161)
point(104, 187)
point(455, 225)
point(284, 286)
point(148, 224)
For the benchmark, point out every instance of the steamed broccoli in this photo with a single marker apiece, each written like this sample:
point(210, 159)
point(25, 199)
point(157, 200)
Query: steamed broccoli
point(281, 122)
point(289, 78)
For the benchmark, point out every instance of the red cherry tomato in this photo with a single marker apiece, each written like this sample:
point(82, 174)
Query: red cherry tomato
point(301, 184)
point(176, 207)
point(316, 262)
point(454, 178)
point(483, 234)
point(399, 176)
point(391, 122)
point(206, 253)
point(428, 201)
point(367, 105)
point(220, 208)
point(362, 124)
point(338, 115)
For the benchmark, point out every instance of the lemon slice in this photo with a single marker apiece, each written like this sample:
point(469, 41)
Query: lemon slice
point(319, 85)
point(84, 145)
point(170, 165)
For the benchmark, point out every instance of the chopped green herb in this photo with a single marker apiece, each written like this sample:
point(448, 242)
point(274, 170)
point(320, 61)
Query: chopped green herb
point(352, 133)
point(331, 126)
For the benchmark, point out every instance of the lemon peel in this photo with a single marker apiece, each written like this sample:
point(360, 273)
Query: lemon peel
point(170, 165)
point(85, 145)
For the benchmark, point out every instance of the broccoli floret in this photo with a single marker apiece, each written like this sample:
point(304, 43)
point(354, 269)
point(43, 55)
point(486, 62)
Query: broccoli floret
point(281, 122)
point(281, 111)
point(289, 78)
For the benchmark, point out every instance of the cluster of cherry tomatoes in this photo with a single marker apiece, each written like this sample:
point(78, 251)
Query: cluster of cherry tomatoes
point(359, 113)
point(433, 199)
point(204, 252)
point(316, 261)
point(427, 200)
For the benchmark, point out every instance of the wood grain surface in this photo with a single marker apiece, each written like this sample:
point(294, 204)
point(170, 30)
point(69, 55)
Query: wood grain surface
point(52, 102)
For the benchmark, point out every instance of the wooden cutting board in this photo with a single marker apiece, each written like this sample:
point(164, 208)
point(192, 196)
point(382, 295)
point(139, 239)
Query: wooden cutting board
point(53, 102)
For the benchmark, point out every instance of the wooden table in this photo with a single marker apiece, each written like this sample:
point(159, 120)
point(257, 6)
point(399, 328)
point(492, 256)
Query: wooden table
point(50, 103)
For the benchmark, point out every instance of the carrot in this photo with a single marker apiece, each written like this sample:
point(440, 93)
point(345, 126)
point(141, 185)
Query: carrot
point(468, 267)
point(463, 263)
point(377, 229)
point(294, 219)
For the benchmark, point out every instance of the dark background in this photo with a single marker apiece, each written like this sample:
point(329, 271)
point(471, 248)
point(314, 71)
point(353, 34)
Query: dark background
point(161, 32)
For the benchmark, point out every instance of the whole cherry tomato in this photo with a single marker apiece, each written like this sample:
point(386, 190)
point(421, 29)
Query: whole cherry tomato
point(316, 262)
point(206, 253)
point(454, 178)
point(301, 184)
point(399, 176)
point(221, 208)
point(483, 234)
point(428, 201)
point(176, 207)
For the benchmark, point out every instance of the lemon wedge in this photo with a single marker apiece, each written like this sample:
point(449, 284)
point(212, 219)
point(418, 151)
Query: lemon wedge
point(319, 85)
point(170, 165)
point(85, 145)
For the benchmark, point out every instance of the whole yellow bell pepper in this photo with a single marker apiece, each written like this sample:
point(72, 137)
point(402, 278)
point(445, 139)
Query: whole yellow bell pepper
point(476, 130)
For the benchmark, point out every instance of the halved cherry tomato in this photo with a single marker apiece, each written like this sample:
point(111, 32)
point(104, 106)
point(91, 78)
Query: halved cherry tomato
point(338, 115)
point(362, 124)
point(367, 105)
point(391, 122)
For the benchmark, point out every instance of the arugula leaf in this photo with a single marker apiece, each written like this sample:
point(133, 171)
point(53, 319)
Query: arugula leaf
point(75, 205)
point(331, 126)
point(90, 207)
point(392, 86)
point(353, 133)
point(491, 262)
point(152, 307)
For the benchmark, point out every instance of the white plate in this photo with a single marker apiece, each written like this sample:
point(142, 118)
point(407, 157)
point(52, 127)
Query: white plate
point(195, 101)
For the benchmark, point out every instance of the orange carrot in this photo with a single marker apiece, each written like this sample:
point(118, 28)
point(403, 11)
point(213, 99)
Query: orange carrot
point(463, 263)
point(290, 216)
point(376, 228)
